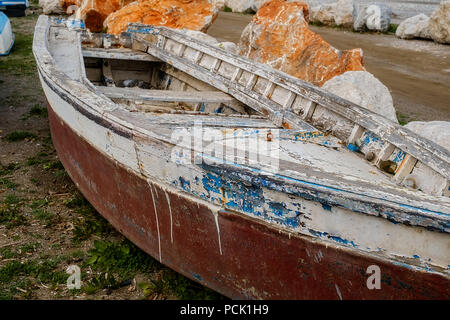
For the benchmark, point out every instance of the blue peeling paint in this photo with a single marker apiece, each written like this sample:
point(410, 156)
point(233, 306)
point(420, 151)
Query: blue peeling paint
point(352, 147)
point(331, 237)
point(279, 208)
point(400, 155)
point(197, 276)
point(186, 185)
point(326, 206)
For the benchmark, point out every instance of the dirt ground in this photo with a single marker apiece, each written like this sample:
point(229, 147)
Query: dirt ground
point(417, 72)
point(45, 223)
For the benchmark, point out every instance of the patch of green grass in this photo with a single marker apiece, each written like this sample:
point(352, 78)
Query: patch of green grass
point(403, 119)
point(30, 247)
point(43, 216)
point(5, 170)
point(392, 28)
point(37, 159)
point(10, 212)
point(20, 61)
point(8, 183)
point(172, 283)
point(36, 111)
point(122, 257)
point(101, 281)
point(89, 221)
point(43, 271)
point(316, 23)
point(47, 142)
point(19, 136)
point(53, 165)
point(227, 9)
point(116, 263)
point(8, 253)
point(39, 203)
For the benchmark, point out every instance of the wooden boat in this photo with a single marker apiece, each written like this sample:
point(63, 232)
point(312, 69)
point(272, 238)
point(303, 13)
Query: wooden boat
point(6, 35)
point(243, 178)
point(14, 8)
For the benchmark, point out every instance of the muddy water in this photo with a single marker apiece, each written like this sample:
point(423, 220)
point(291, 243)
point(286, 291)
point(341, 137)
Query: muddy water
point(416, 72)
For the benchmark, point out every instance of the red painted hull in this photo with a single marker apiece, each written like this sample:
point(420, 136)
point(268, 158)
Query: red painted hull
point(257, 260)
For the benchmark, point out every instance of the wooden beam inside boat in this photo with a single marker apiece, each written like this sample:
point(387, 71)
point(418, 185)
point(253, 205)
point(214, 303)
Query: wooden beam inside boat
point(166, 95)
point(117, 54)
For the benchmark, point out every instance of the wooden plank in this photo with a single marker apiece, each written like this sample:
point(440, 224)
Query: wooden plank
point(215, 65)
point(357, 132)
point(309, 110)
point(269, 89)
point(117, 54)
point(384, 153)
point(405, 168)
point(166, 95)
point(237, 74)
point(289, 100)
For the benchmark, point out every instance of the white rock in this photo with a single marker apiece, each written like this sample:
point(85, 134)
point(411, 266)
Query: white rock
point(363, 89)
point(240, 5)
point(258, 4)
point(323, 14)
point(436, 131)
point(340, 13)
point(440, 23)
point(414, 27)
point(375, 17)
point(51, 6)
point(345, 13)
point(228, 46)
point(219, 4)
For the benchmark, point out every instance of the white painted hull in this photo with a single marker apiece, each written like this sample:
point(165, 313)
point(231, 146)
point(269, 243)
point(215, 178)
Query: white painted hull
point(6, 35)
point(394, 228)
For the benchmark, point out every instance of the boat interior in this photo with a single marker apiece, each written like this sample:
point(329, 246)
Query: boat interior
point(116, 68)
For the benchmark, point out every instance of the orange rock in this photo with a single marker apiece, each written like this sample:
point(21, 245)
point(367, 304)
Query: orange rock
point(94, 12)
point(278, 35)
point(66, 4)
point(189, 14)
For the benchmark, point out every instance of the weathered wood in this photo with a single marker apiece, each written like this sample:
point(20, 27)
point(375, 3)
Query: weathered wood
point(117, 54)
point(357, 132)
point(430, 153)
point(166, 95)
point(405, 168)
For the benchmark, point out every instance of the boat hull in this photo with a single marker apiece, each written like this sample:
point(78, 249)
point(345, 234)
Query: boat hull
point(6, 35)
point(238, 256)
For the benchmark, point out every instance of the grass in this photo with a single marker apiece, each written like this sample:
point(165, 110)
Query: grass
point(36, 111)
point(392, 28)
point(10, 212)
point(37, 159)
point(8, 169)
point(227, 9)
point(53, 165)
point(19, 136)
point(8, 183)
point(403, 119)
point(89, 222)
point(16, 274)
point(20, 62)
